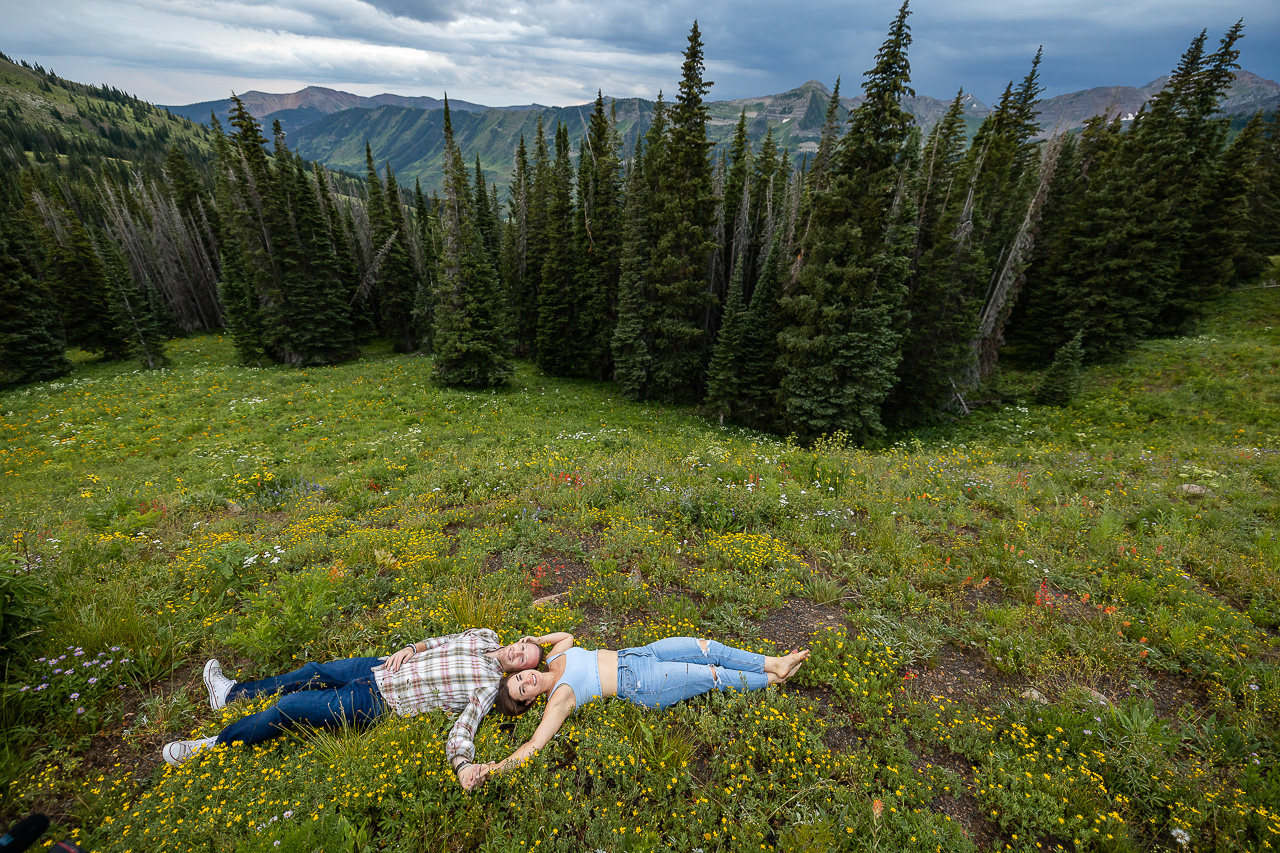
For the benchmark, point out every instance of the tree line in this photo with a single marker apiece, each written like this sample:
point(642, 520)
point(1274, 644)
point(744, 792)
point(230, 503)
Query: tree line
point(874, 283)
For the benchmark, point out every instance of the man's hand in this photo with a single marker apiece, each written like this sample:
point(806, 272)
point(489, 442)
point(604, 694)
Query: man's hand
point(394, 662)
point(473, 776)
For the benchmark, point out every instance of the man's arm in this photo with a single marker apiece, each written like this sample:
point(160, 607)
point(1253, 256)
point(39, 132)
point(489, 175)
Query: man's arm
point(434, 642)
point(460, 748)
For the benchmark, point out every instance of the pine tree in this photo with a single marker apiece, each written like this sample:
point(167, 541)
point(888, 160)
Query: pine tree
point(31, 347)
point(559, 346)
point(537, 245)
point(515, 266)
point(935, 346)
point(598, 237)
point(758, 352)
point(684, 209)
point(843, 317)
point(471, 342)
point(397, 285)
point(1263, 231)
point(82, 291)
point(424, 299)
point(633, 335)
point(486, 221)
point(1061, 382)
point(317, 313)
point(724, 380)
point(132, 311)
point(1222, 229)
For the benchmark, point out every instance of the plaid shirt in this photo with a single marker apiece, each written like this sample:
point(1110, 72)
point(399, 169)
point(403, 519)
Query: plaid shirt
point(454, 674)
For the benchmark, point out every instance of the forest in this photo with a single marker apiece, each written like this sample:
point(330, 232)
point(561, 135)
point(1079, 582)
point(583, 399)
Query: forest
point(875, 285)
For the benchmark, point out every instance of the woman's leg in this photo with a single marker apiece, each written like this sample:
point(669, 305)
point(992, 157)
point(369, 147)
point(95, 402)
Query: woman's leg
point(312, 676)
point(693, 650)
point(356, 704)
point(661, 684)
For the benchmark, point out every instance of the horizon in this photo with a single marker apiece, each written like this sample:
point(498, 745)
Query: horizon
point(171, 54)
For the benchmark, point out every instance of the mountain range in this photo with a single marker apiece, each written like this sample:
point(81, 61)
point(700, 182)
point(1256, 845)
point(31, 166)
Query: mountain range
point(332, 126)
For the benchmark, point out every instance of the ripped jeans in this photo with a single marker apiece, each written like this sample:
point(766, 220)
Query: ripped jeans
point(669, 671)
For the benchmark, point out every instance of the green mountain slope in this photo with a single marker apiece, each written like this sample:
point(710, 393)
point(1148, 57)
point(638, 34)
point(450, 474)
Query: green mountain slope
point(44, 118)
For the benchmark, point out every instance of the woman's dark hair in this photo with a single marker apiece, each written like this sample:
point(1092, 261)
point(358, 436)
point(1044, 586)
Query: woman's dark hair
point(506, 704)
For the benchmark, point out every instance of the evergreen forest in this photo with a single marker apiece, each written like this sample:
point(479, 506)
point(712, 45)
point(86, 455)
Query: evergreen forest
point(874, 285)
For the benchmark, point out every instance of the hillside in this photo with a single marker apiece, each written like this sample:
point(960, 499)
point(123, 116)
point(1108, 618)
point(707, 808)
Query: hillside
point(1073, 608)
point(44, 116)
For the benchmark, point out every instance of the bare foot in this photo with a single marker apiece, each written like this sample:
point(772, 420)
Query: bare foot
point(779, 669)
point(794, 660)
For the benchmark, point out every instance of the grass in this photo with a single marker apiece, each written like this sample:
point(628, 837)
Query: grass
point(267, 516)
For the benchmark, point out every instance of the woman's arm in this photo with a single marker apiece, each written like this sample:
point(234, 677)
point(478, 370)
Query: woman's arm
point(558, 710)
point(557, 638)
point(563, 641)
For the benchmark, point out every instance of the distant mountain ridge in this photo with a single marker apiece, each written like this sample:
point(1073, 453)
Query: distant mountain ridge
point(333, 126)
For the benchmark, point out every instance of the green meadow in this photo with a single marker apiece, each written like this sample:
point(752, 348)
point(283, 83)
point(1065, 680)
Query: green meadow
point(1037, 628)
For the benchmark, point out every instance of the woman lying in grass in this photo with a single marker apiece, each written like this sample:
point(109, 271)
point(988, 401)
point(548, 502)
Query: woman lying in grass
point(654, 676)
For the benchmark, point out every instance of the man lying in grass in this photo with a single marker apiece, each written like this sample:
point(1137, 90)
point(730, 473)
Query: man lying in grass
point(459, 673)
point(654, 676)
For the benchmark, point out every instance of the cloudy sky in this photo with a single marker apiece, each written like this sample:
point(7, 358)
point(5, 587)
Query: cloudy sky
point(501, 52)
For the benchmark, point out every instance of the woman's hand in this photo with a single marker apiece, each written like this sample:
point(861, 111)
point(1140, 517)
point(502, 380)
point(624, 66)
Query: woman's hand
point(395, 661)
point(473, 776)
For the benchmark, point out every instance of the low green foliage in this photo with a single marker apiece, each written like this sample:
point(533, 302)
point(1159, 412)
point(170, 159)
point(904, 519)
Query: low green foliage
point(271, 516)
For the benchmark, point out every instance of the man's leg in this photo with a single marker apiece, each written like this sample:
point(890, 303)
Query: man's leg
point(312, 676)
point(356, 704)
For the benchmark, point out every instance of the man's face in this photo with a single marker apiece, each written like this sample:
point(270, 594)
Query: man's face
point(518, 657)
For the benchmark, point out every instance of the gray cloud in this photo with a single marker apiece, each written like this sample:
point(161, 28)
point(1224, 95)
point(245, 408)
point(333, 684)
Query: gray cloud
point(562, 51)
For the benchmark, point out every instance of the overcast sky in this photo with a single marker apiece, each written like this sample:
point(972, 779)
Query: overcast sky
point(560, 52)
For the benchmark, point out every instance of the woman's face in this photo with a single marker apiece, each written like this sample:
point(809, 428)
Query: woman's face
point(526, 686)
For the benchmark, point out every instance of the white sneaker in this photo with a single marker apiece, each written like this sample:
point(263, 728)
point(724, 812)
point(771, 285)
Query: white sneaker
point(180, 750)
point(217, 684)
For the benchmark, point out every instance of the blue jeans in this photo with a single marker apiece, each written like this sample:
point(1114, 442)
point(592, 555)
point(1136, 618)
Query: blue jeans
point(669, 671)
point(323, 695)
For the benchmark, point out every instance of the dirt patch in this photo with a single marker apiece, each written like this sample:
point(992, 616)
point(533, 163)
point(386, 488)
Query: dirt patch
point(982, 593)
point(793, 625)
point(961, 674)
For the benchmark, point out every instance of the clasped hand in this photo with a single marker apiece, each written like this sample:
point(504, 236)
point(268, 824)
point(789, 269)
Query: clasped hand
point(473, 776)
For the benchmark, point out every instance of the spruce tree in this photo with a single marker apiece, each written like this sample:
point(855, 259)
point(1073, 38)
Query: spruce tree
point(758, 351)
point(633, 335)
point(82, 291)
point(521, 295)
point(598, 238)
point(683, 206)
point(943, 308)
point(132, 311)
point(397, 284)
point(1221, 233)
point(317, 312)
point(424, 300)
point(843, 316)
point(1262, 239)
point(1061, 382)
point(31, 346)
point(559, 346)
point(471, 344)
point(724, 380)
point(537, 244)
point(486, 220)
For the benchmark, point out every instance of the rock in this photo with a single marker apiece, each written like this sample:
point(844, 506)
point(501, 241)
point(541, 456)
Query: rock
point(1098, 697)
point(1193, 490)
point(1035, 696)
point(234, 507)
